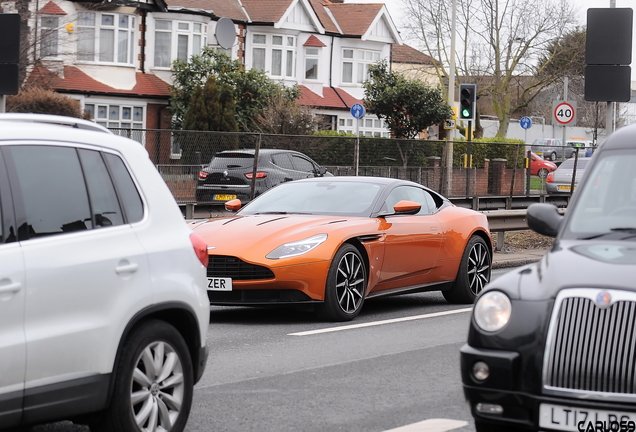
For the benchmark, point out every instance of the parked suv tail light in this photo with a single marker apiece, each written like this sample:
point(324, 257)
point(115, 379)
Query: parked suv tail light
point(258, 175)
point(200, 248)
point(550, 178)
point(203, 175)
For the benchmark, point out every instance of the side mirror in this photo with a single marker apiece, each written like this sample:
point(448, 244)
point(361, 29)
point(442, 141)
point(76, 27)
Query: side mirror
point(233, 205)
point(544, 219)
point(407, 207)
point(320, 171)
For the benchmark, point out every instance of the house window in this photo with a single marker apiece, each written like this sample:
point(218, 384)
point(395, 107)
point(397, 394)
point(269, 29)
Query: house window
point(49, 36)
point(178, 40)
point(259, 52)
point(312, 55)
point(116, 116)
point(355, 64)
point(273, 54)
point(105, 37)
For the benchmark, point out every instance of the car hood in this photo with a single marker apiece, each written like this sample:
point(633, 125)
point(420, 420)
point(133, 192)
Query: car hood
point(573, 264)
point(254, 236)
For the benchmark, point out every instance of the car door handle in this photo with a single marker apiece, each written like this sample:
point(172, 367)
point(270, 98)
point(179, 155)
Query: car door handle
point(10, 288)
point(126, 268)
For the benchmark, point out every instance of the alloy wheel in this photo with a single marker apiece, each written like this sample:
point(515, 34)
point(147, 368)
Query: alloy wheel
point(350, 282)
point(478, 268)
point(157, 388)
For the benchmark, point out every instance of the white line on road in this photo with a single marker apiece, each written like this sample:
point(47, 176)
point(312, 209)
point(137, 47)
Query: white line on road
point(377, 323)
point(432, 425)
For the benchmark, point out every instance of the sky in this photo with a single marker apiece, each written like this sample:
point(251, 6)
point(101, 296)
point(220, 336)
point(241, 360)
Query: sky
point(396, 7)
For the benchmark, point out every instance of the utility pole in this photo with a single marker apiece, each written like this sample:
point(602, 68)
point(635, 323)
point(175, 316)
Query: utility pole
point(451, 102)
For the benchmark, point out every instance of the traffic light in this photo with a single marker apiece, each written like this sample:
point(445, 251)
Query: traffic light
point(467, 98)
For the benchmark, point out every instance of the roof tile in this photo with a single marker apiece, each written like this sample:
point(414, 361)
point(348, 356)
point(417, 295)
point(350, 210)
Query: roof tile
point(406, 54)
point(331, 98)
point(51, 8)
point(355, 18)
point(75, 80)
point(313, 41)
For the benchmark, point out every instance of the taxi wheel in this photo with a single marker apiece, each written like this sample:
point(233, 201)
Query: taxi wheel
point(346, 286)
point(473, 273)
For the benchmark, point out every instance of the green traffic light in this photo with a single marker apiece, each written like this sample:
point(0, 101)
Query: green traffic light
point(465, 113)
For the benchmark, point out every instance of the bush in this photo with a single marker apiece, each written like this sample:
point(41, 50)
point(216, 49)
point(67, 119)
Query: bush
point(41, 101)
point(491, 148)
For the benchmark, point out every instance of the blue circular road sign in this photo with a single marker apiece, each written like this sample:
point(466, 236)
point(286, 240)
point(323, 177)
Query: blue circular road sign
point(357, 110)
point(525, 122)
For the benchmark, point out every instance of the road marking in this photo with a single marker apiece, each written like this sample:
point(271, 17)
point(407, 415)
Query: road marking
point(432, 425)
point(377, 323)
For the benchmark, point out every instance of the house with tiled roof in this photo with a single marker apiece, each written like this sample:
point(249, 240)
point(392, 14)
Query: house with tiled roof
point(115, 57)
point(414, 64)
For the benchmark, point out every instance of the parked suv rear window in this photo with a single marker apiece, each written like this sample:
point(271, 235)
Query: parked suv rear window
point(126, 188)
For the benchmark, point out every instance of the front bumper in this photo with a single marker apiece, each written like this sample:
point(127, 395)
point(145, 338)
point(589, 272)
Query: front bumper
point(520, 408)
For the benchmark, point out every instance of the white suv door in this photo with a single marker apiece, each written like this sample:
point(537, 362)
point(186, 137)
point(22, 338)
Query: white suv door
point(12, 297)
point(88, 273)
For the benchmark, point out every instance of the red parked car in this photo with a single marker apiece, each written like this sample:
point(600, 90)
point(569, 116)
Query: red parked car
point(540, 167)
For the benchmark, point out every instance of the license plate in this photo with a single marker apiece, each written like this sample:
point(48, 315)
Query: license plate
point(219, 284)
point(565, 418)
point(223, 197)
point(564, 188)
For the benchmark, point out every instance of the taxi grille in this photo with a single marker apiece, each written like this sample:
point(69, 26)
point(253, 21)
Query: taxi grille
point(592, 349)
point(237, 269)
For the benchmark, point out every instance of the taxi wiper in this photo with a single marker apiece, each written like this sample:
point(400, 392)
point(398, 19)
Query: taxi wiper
point(271, 212)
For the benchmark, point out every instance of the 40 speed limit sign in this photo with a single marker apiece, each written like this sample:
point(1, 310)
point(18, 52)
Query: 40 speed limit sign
point(564, 112)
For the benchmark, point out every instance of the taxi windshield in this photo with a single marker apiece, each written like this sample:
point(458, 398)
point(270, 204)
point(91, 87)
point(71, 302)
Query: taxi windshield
point(607, 202)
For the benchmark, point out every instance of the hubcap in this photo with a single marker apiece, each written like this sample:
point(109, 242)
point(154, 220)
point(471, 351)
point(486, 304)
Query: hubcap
point(478, 268)
point(157, 388)
point(350, 282)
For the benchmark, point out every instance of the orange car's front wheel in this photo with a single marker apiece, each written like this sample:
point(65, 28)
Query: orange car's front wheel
point(346, 285)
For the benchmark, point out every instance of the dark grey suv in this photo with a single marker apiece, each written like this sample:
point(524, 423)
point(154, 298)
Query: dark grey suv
point(232, 173)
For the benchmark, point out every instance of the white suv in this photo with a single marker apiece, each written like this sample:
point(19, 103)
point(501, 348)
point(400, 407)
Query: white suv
point(103, 304)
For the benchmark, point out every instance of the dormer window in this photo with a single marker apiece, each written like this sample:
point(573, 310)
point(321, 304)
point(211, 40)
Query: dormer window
point(49, 40)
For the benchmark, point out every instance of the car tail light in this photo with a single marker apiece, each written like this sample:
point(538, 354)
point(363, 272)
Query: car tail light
point(200, 248)
point(203, 175)
point(550, 178)
point(259, 174)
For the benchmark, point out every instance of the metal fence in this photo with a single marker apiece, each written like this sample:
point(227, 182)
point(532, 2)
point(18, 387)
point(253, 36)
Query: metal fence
point(478, 169)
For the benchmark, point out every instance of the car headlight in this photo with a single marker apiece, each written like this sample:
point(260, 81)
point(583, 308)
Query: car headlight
point(492, 311)
point(297, 248)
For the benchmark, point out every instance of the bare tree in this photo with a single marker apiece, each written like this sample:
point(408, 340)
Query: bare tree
point(499, 43)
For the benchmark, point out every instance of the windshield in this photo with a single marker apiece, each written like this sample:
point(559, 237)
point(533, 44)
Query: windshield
point(607, 202)
point(232, 160)
point(340, 198)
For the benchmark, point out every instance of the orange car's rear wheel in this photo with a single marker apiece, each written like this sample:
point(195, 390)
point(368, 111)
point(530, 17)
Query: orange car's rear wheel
point(473, 273)
point(346, 285)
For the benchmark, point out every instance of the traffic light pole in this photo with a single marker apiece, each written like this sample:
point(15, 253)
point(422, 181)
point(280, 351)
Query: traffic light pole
point(469, 153)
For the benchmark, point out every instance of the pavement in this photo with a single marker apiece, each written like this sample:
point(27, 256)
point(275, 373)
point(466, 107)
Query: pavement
point(514, 259)
point(500, 259)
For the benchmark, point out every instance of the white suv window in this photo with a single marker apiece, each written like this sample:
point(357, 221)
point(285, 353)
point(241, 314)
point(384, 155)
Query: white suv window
point(46, 173)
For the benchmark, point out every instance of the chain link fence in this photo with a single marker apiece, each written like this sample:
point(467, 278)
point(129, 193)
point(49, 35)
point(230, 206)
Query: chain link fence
point(478, 169)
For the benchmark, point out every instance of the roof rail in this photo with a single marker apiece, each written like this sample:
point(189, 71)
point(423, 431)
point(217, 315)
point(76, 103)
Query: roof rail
point(73, 122)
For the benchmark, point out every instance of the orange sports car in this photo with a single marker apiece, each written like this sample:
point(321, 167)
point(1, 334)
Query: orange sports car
point(334, 241)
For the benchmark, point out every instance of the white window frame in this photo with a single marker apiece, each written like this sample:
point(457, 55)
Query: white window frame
point(49, 36)
point(357, 61)
point(276, 54)
point(93, 44)
point(312, 54)
point(185, 39)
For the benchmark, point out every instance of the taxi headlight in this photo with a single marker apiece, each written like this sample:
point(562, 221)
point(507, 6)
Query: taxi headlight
point(492, 311)
point(297, 248)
